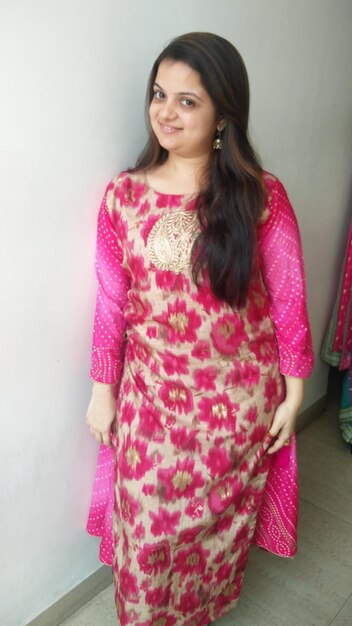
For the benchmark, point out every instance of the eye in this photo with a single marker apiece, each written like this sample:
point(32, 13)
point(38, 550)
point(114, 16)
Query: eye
point(187, 102)
point(158, 95)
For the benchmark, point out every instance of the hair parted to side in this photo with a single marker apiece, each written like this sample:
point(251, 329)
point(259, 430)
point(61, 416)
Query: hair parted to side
point(233, 192)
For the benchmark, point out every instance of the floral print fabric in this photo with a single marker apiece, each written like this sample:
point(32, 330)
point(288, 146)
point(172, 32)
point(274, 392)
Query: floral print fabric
point(198, 383)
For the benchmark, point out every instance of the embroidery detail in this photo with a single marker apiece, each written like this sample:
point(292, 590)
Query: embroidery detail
point(170, 241)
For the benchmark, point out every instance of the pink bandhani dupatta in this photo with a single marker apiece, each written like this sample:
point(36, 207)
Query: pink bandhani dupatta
point(276, 528)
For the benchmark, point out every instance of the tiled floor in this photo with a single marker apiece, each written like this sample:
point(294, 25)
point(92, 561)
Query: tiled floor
point(314, 588)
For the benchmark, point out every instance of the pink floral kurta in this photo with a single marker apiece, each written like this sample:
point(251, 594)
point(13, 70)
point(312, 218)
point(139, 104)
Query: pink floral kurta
point(197, 385)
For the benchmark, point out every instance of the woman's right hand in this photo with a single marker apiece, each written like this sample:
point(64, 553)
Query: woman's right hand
point(101, 412)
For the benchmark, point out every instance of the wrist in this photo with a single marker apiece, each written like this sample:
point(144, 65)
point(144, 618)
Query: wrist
point(294, 392)
point(102, 388)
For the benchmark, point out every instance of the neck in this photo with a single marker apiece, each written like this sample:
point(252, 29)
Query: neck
point(188, 171)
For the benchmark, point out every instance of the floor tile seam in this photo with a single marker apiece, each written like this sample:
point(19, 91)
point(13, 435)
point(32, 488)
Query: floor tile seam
point(340, 609)
point(317, 506)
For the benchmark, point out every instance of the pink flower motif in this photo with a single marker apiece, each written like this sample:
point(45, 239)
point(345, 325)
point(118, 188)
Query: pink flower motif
point(223, 572)
point(164, 523)
point(154, 558)
point(162, 618)
point(218, 412)
point(204, 378)
point(207, 578)
point(242, 559)
point(125, 543)
point(201, 618)
point(218, 462)
point(220, 557)
point(121, 610)
point(151, 332)
point(129, 506)
point(168, 280)
point(229, 594)
point(176, 396)
point(191, 560)
point(140, 386)
point(223, 493)
point(129, 193)
point(189, 601)
point(139, 532)
point(140, 351)
point(158, 597)
point(243, 375)
point(140, 309)
point(185, 439)
point(170, 201)
point(244, 467)
point(127, 413)
point(180, 481)
point(120, 225)
point(143, 208)
point(180, 323)
point(195, 508)
point(201, 350)
point(270, 393)
point(140, 276)
point(128, 585)
point(147, 226)
point(148, 490)
point(264, 348)
point(223, 523)
point(258, 434)
point(133, 460)
point(240, 438)
point(207, 299)
point(250, 501)
point(258, 306)
point(228, 333)
point(150, 425)
point(251, 415)
point(175, 363)
point(190, 535)
point(242, 537)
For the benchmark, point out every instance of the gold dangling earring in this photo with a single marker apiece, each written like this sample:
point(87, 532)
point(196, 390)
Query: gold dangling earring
point(217, 143)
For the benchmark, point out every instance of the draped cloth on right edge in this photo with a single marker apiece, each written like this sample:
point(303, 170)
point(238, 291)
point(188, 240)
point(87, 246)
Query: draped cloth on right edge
point(337, 346)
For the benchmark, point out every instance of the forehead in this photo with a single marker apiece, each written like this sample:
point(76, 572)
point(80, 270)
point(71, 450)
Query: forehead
point(178, 76)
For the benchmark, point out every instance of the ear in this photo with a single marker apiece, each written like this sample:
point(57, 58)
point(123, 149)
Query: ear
point(221, 124)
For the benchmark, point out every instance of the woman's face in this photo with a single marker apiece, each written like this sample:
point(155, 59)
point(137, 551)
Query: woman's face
point(182, 115)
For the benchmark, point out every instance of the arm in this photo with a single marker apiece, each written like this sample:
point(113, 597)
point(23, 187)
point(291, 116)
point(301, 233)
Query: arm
point(282, 268)
point(109, 326)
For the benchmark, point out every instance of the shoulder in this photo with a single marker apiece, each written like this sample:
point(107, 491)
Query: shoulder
point(276, 198)
point(125, 189)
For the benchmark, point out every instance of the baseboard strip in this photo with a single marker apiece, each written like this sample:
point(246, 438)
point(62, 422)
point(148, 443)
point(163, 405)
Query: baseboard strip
point(72, 601)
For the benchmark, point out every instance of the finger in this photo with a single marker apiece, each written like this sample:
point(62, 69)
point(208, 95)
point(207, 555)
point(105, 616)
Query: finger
point(106, 439)
point(96, 434)
point(281, 441)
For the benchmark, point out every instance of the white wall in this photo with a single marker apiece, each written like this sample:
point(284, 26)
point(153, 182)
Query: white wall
point(71, 117)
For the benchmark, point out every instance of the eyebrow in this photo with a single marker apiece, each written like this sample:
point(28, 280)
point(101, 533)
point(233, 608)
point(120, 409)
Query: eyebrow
point(182, 93)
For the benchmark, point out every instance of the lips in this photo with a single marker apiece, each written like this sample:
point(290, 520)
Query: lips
point(168, 130)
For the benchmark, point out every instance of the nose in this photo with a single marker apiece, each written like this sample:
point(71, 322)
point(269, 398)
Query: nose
point(168, 111)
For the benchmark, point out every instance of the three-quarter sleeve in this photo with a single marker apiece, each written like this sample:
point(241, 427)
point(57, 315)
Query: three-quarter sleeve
point(282, 269)
point(113, 284)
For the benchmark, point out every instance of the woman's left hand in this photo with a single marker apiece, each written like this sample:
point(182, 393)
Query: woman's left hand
point(283, 425)
point(284, 422)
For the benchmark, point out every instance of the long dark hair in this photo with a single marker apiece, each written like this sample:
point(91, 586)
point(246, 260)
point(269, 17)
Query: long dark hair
point(233, 193)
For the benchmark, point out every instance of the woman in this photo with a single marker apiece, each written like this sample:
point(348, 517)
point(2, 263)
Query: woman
point(201, 343)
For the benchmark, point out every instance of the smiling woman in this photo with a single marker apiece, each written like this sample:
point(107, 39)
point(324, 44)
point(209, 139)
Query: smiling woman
point(201, 344)
point(182, 115)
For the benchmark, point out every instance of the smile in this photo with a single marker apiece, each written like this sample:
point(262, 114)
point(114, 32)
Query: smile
point(168, 129)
